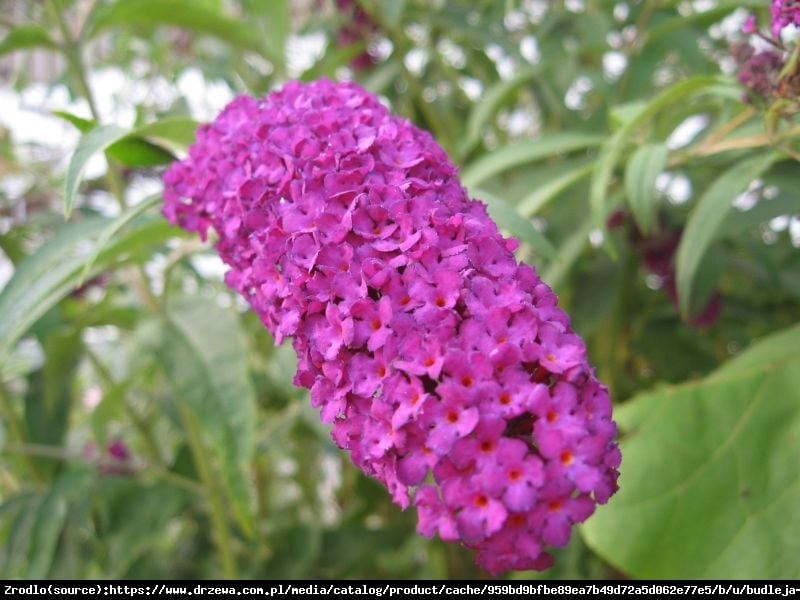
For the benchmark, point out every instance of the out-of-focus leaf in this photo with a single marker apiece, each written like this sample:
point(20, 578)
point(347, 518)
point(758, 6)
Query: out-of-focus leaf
point(81, 124)
point(710, 212)
point(143, 146)
point(391, 12)
point(507, 218)
point(490, 102)
point(640, 183)
point(54, 270)
point(192, 15)
point(204, 353)
point(527, 151)
point(534, 202)
point(51, 517)
point(273, 20)
point(49, 396)
point(717, 456)
point(97, 140)
point(568, 253)
point(25, 37)
point(612, 149)
point(134, 512)
point(113, 228)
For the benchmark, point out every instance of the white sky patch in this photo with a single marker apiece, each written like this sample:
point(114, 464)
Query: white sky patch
point(677, 188)
point(684, 133)
point(472, 87)
point(415, 60)
point(302, 51)
point(529, 49)
point(596, 237)
point(575, 97)
point(205, 98)
point(614, 65)
point(621, 11)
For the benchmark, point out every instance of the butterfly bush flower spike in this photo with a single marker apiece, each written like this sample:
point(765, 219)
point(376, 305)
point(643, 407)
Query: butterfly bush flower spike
point(445, 368)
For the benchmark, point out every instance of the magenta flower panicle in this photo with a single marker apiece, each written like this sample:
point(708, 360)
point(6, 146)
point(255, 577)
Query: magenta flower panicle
point(445, 367)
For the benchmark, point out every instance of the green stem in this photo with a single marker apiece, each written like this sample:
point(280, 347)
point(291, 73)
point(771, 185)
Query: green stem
point(222, 534)
point(74, 55)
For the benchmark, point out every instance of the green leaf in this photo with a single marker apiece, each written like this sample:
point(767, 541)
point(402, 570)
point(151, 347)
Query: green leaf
point(115, 227)
point(204, 353)
point(181, 13)
point(527, 151)
point(97, 140)
point(139, 147)
point(81, 124)
point(711, 210)
point(640, 183)
point(509, 219)
point(534, 202)
point(483, 111)
point(25, 37)
point(273, 19)
point(710, 478)
point(51, 517)
point(47, 276)
point(49, 396)
point(632, 120)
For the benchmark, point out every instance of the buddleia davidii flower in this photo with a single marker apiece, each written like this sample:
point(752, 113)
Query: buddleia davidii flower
point(445, 368)
point(784, 13)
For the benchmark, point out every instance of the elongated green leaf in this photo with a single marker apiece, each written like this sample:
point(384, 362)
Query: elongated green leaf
point(113, 228)
point(97, 140)
point(534, 202)
point(640, 183)
point(612, 149)
point(711, 210)
point(25, 37)
point(192, 15)
point(81, 124)
point(45, 277)
point(51, 517)
point(139, 147)
point(273, 20)
point(527, 151)
point(203, 350)
point(490, 102)
point(710, 478)
point(174, 133)
point(507, 218)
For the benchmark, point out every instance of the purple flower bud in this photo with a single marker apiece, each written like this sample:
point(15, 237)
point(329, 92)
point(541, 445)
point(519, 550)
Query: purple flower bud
point(446, 368)
point(749, 25)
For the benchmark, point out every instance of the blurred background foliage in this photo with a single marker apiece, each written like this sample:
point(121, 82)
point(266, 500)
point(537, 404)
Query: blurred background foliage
point(149, 425)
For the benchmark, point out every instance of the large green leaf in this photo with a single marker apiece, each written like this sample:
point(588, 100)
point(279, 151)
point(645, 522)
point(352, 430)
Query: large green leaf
point(710, 480)
point(527, 151)
point(192, 15)
point(711, 210)
point(25, 37)
point(54, 270)
point(640, 183)
point(204, 353)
